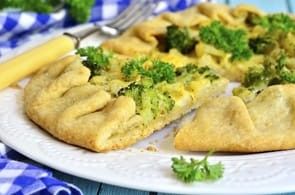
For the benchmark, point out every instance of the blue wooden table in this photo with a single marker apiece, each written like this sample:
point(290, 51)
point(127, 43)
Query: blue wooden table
point(90, 187)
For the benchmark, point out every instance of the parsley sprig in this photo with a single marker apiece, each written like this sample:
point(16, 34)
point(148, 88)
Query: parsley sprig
point(96, 59)
point(158, 72)
point(232, 41)
point(180, 39)
point(79, 10)
point(196, 170)
point(274, 22)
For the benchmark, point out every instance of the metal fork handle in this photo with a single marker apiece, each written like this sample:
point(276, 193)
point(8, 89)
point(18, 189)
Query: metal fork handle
point(79, 36)
point(121, 23)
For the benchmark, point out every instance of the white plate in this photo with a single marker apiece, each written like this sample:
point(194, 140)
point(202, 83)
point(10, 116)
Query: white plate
point(138, 168)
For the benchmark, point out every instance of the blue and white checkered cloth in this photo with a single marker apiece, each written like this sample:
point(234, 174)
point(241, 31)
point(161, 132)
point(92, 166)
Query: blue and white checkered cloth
point(24, 179)
point(15, 29)
point(16, 26)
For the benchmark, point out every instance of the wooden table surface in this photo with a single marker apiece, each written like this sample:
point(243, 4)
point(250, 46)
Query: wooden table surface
point(90, 187)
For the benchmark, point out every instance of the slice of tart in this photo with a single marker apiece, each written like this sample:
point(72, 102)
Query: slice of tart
point(117, 102)
point(228, 124)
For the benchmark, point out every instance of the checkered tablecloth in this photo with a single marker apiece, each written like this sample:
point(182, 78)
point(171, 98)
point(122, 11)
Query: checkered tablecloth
point(22, 178)
point(16, 29)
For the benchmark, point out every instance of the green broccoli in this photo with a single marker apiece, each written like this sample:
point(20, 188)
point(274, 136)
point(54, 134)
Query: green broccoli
point(189, 68)
point(270, 41)
point(279, 30)
point(244, 93)
point(159, 71)
point(96, 59)
point(180, 39)
point(150, 102)
point(274, 71)
point(79, 10)
point(263, 44)
point(30, 5)
point(133, 90)
point(285, 74)
point(187, 73)
point(258, 78)
point(252, 19)
point(133, 68)
point(229, 40)
point(276, 22)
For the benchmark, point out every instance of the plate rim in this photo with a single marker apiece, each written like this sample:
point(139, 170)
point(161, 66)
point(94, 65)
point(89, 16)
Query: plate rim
point(44, 159)
point(125, 184)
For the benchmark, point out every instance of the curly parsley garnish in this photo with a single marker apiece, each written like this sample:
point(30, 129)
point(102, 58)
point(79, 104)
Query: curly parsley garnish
point(275, 22)
point(79, 10)
point(232, 41)
point(180, 39)
point(196, 170)
point(96, 59)
point(158, 72)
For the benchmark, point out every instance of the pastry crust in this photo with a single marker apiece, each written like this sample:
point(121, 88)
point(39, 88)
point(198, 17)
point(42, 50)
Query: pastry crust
point(227, 124)
point(61, 100)
point(147, 37)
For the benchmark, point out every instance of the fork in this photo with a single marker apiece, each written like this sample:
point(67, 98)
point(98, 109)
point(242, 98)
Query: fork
point(30, 61)
point(136, 12)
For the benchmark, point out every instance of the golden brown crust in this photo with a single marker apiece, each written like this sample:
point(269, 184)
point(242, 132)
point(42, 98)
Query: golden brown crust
point(149, 37)
point(222, 124)
point(227, 124)
point(61, 100)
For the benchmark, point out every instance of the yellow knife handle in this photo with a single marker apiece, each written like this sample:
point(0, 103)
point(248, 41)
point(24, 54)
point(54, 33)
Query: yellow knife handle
point(29, 62)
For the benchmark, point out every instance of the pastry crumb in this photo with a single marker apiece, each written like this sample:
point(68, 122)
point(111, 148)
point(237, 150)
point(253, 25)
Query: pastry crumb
point(152, 148)
point(16, 86)
point(167, 135)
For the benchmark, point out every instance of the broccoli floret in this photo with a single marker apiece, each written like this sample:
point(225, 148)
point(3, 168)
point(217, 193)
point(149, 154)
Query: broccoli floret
point(159, 103)
point(244, 93)
point(274, 71)
point(285, 74)
point(279, 28)
point(229, 40)
point(39, 6)
point(270, 41)
point(208, 73)
point(256, 79)
point(150, 102)
point(96, 59)
point(274, 22)
point(188, 72)
point(180, 39)
point(188, 69)
point(252, 19)
point(133, 68)
point(79, 10)
point(159, 71)
point(263, 44)
point(133, 90)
